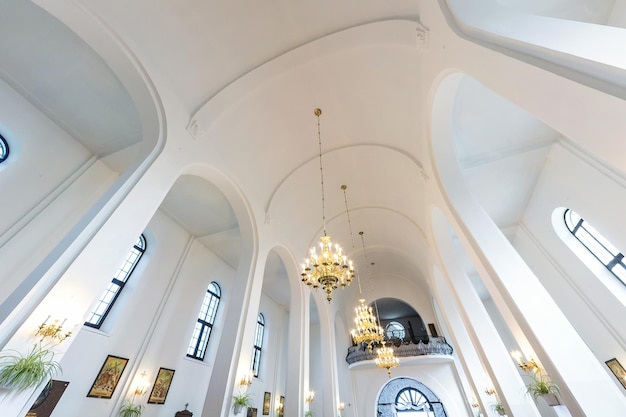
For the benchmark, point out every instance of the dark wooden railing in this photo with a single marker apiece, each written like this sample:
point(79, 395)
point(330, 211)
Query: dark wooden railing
point(434, 346)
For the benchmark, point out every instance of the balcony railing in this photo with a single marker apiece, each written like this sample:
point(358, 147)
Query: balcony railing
point(434, 346)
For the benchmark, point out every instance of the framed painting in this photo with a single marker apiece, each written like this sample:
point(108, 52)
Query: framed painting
point(251, 412)
point(618, 370)
point(282, 406)
point(161, 386)
point(108, 377)
point(266, 403)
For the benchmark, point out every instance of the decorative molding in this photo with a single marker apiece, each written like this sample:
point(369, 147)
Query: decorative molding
point(194, 129)
point(422, 36)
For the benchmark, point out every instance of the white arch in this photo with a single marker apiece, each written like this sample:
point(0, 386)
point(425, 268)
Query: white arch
point(522, 290)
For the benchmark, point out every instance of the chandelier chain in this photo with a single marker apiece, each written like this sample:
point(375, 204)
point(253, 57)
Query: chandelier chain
point(345, 199)
point(318, 112)
point(330, 268)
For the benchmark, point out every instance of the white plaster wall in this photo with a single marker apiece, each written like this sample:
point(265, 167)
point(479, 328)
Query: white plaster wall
point(275, 333)
point(50, 182)
point(317, 370)
point(440, 378)
point(151, 325)
point(598, 195)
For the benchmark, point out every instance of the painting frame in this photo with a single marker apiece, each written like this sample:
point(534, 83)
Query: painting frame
point(161, 386)
point(108, 377)
point(267, 398)
point(252, 412)
point(282, 406)
point(618, 370)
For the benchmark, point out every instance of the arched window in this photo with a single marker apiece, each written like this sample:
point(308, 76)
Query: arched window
point(117, 284)
point(597, 244)
point(204, 325)
point(407, 397)
point(395, 330)
point(412, 403)
point(258, 343)
point(4, 149)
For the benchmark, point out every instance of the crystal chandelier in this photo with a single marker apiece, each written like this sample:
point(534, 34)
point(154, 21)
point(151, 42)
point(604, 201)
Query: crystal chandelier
point(386, 358)
point(367, 329)
point(330, 268)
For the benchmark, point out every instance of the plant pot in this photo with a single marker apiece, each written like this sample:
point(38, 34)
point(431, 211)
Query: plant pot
point(237, 408)
point(501, 412)
point(551, 399)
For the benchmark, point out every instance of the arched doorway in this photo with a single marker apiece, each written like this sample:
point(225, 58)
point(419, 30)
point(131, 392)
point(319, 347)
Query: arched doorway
point(406, 397)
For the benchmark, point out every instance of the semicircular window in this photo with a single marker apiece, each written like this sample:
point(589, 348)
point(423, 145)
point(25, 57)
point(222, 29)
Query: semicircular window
point(394, 330)
point(4, 149)
point(412, 403)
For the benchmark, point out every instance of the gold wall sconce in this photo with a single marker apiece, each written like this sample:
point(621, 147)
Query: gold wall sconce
point(246, 380)
point(142, 386)
point(527, 367)
point(310, 397)
point(53, 331)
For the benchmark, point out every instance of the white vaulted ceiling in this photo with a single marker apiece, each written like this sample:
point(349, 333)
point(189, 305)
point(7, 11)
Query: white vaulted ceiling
point(250, 74)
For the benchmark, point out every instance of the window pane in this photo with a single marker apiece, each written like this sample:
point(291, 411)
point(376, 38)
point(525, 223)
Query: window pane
point(4, 149)
point(597, 244)
point(119, 279)
point(258, 344)
point(601, 239)
point(206, 318)
point(620, 271)
point(594, 246)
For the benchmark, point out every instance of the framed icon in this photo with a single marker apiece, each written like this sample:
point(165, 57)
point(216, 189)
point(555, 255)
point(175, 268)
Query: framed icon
point(108, 377)
point(618, 370)
point(161, 386)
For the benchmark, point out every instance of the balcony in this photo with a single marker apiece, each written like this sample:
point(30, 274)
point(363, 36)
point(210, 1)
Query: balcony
point(435, 350)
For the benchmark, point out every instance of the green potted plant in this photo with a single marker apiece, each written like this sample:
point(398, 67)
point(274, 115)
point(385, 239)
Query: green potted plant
point(20, 372)
point(240, 401)
point(308, 413)
point(498, 408)
point(130, 409)
point(542, 387)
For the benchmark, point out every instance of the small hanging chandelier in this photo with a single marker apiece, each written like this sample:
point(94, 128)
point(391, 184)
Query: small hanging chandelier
point(367, 329)
point(386, 358)
point(330, 268)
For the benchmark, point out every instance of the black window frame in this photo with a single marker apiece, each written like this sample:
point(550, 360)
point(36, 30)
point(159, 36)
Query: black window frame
point(139, 248)
point(205, 322)
point(412, 400)
point(580, 227)
point(258, 345)
point(4, 149)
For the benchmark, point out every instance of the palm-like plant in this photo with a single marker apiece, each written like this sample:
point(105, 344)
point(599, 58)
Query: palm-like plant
point(240, 401)
point(130, 409)
point(498, 408)
point(541, 385)
point(20, 372)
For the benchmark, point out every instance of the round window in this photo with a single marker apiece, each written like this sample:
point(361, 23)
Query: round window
point(394, 330)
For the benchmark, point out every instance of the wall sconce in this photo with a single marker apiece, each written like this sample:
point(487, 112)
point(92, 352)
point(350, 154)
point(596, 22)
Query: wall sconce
point(246, 380)
point(490, 391)
point(142, 386)
point(474, 403)
point(341, 407)
point(310, 397)
point(527, 367)
point(52, 331)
